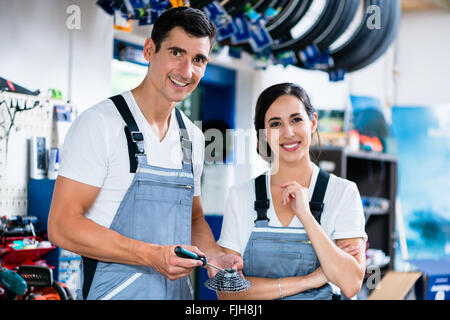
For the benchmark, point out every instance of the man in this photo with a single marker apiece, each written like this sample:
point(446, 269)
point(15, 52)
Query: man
point(125, 198)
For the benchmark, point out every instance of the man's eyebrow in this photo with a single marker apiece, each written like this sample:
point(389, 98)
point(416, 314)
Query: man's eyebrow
point(177, 49)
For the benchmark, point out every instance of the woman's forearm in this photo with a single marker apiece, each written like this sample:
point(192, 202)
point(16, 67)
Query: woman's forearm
point(339, 267)
point(271, 289)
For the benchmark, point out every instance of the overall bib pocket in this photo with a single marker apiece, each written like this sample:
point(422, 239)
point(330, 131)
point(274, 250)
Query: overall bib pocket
point(178, 193)
point(269, 258)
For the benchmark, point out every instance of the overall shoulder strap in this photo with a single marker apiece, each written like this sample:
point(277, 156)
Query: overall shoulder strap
point(262, 203)
point(186, 143)
point(135, 138)
point(316, 204)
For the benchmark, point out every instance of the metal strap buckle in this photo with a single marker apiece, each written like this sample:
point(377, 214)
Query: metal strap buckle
point(136, 136)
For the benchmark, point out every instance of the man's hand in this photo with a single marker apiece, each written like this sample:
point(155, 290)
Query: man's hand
point(166, 262)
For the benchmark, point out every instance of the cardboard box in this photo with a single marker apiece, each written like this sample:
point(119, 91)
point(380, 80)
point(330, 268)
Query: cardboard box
point(395, 285)
point(429, 281)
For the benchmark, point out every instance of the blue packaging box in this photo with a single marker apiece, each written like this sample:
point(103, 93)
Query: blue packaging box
point(436, 276)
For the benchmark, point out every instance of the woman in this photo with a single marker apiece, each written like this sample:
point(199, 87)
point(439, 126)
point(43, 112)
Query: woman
point(296, 227)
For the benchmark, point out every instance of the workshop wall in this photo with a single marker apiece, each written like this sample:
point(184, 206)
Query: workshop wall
point(41, 54)
point(422, 60)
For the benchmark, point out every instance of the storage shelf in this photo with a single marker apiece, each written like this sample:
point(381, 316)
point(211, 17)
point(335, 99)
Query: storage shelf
point(375, 175)
point(370, 155)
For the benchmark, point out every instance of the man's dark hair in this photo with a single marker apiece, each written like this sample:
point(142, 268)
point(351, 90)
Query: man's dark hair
point(193, 21)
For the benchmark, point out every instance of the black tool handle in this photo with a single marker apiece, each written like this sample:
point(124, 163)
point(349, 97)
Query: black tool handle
point(183, 253)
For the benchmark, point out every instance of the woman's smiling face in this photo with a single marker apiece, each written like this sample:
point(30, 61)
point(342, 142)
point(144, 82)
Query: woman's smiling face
point(289, 129)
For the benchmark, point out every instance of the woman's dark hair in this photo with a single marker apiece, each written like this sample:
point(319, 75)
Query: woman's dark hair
point(265, 100)
point(193, 21)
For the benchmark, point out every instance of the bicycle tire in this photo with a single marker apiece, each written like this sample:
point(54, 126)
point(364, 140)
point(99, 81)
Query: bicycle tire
point(391, 33)
point(364, 40)
point(337, 27)
point(319, 26)
point(287, 18)
point(340, 20)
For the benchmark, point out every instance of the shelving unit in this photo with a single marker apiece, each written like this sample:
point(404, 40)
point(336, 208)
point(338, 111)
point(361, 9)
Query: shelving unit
point(375, 174)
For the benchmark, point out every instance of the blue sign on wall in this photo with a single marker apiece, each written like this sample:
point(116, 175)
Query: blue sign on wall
point(423, 135)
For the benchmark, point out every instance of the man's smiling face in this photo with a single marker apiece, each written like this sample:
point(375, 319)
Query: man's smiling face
point(180, 63)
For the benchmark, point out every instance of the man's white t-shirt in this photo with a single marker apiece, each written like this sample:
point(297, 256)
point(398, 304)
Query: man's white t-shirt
point(342, 217)
point(95, 152)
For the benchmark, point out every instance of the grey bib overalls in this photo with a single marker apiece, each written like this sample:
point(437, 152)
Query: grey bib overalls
point(156, 209)
point(277, 252)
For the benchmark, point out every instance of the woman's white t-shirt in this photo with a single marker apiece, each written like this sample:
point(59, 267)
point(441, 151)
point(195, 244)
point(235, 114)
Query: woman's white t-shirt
point(342, 217)
point(95, 152)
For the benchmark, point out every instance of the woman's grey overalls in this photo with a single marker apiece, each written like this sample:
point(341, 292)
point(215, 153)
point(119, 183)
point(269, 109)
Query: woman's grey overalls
point(156, 209)
point(277, 252)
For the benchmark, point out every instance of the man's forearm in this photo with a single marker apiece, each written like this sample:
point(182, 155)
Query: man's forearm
point(87, 238)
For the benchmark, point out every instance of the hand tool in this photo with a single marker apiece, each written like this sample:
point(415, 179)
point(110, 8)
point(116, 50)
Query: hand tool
point(183, 253)
point(226, 280)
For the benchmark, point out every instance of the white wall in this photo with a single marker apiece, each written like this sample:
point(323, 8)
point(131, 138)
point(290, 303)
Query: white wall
point(36, 45)
point(92, 55)
point(423, 59)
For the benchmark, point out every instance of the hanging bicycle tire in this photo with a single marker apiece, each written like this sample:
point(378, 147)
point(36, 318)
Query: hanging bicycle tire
point(391, 33)
point(363, 46)
point(327, 29)
point(324, 10)
point(291, 12)
point(338, 25)
point(367, 44)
